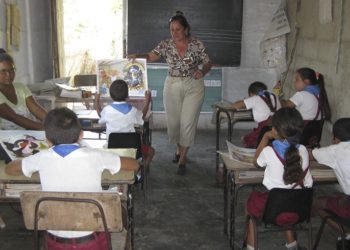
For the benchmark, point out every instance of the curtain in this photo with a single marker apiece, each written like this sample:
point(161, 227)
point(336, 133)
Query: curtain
point(57, 37)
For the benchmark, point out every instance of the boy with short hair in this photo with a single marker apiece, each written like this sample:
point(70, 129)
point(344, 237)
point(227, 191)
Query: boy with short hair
point(337, 157)
point(67, 167)
point(121, 117)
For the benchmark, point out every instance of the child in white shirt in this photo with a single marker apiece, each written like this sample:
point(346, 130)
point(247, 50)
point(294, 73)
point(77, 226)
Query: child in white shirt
point(67, 167)
point(337, 157)
point(286, 165)
point(121, 117)
point(311, 98)
point(263, 105)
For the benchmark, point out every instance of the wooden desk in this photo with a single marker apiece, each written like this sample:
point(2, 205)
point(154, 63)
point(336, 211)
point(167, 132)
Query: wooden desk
point(239, 174)
point(226, 111)
point(123, 177)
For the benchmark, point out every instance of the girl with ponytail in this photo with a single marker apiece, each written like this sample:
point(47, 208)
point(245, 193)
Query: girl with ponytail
point(311, 98)
point(286, 165)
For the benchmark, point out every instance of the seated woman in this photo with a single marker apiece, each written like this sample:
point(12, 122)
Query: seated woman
point(17, 105)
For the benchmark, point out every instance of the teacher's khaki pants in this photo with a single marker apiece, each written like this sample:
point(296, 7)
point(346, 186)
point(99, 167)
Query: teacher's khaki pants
point(183, 98)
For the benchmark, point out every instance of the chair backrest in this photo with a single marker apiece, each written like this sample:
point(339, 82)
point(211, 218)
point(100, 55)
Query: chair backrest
point(72, 211)
point(312, 133)
point(282, 203)
point(126, 140)
point(85, 80)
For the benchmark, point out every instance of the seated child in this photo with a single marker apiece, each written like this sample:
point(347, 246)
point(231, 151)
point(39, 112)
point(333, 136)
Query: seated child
point(286, 166)
point(311, 97)
point(67, 167)
point(122, 117)
point(263, 104)
point(337, 157)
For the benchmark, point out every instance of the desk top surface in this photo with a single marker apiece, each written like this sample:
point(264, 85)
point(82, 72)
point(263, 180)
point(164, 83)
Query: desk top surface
point(122, 176)
point(247, 173)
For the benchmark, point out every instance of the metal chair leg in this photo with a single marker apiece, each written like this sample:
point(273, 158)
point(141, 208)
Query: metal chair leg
point(320, 231)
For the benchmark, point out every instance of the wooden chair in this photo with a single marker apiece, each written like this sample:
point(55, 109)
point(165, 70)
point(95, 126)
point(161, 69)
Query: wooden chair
point(85, 80)
point(286, 202)
point(341, 222)
point(75, 211)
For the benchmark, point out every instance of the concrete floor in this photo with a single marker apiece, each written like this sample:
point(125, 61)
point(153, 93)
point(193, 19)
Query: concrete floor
point(181, 212)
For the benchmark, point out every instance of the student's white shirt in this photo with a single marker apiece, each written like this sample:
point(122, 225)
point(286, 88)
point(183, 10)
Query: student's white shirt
point(116, 121)
point(79, 171)
point(307, 104)
point(274, 169)
point(336, 156)
point(261, 111)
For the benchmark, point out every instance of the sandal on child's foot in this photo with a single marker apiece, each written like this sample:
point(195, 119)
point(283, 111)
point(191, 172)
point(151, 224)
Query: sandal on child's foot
point(176, 158)
point(182, 169)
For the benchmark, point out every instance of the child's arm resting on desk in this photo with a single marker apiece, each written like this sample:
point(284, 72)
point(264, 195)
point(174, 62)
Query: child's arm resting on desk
point(128, 163)
point(14, 168)
point(239, 105)
point(263, 143)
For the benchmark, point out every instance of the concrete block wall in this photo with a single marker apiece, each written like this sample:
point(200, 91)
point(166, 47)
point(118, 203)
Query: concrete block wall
point(317, 48)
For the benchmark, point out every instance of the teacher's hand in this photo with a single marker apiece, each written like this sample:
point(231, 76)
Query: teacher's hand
point(131, 57)
point(198, 74)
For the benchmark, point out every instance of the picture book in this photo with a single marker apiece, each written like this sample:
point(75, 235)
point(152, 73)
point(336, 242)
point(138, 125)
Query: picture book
point(21, 144)
point(133, 72)
point(240, 153)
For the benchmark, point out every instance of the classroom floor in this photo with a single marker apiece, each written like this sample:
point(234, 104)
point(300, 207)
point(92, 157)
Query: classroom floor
point(181, 212)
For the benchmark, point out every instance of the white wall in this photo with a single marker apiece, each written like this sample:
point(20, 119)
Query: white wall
point(33, 58)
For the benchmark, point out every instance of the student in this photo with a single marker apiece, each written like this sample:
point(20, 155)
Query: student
point(67, 167)
point(263, 104)
point(121, 117)
point(286, 165)
point(17, 105)
point(337, 156)
point(311, 97)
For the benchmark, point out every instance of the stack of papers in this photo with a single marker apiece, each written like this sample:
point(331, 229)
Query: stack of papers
point(240, 154)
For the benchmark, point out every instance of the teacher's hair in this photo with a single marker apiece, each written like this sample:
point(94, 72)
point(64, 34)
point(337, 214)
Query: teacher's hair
point(179, 17)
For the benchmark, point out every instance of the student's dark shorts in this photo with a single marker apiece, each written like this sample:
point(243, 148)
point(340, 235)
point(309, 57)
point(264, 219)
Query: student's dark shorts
point(340, 205)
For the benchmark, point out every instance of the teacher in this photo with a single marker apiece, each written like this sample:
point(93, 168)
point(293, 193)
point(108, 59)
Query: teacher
point(18, 108)
point(183, 93)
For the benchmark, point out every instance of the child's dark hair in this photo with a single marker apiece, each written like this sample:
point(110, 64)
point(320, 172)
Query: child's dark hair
point(259, 87)
point(317, 79)
point(62, 126)
point(341, 129)
point(289, 124)
point(2, 51)
point(119, 90)
point(179, 17)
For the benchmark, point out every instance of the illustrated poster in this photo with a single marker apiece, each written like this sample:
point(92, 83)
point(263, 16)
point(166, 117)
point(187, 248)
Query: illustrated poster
point(134, 73)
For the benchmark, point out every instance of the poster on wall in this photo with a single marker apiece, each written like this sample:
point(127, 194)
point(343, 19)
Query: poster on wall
point(133, 72)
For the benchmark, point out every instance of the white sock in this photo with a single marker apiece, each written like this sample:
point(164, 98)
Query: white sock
point(249, 247)
point(347, 237)
point(293, 245)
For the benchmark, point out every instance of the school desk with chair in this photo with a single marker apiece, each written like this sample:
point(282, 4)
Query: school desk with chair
point(225, 111)
point(11, 186)
point(238, 174)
